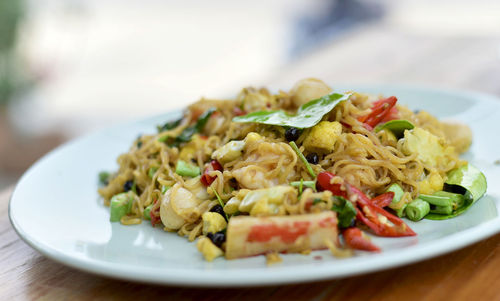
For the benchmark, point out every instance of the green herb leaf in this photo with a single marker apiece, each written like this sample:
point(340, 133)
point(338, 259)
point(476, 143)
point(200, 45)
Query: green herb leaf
point(304, 160)
point(220, 202)
point(308, 115)
point(309, 184)
point(104, 177)
point(164, 189)
point(152, 170)
point(345, 211)
point(187, 133)
point(169, 125)
point(397, 127)
point(316, 201)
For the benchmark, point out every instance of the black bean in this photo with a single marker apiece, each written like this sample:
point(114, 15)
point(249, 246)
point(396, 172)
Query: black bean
point(217, 238)
point(292, 134)
point(312, 158)
point(218, 208)
point(128, 185)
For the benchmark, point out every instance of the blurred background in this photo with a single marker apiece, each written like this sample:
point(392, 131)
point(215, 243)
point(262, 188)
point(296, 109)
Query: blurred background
point(68, 67)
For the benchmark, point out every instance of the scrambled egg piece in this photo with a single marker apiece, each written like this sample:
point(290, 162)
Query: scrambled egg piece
point(429, 148)
point(434, 182)
point(208, 249)
point(267, 201)
point(229, 152)
point(323, 136)
point(232, 205)
point(213, 222)
point(189, 150)
point(253, 137)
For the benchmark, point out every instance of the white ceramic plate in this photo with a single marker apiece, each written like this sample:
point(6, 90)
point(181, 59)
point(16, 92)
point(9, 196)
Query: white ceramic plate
point(55, 208)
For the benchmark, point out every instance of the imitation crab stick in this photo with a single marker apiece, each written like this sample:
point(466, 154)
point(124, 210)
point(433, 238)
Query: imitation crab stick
point(249, 236)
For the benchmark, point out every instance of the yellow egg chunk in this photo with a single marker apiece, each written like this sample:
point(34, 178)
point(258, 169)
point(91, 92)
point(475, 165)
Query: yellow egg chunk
point(323, 136)
point(208, 249)
point(229, 152)
point(213, 222)
point(188, 151)
point(434, 182)
point(429, 148)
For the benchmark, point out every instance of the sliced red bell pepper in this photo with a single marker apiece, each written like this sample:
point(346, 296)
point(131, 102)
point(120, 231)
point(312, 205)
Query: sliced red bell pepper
point(381, 110)
point(324, 183)
point(205, 178)
point(377, 219)
point(356, 239)
point(383, 200)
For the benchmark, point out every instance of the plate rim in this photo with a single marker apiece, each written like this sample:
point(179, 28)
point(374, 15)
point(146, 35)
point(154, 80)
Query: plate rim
point(281, 275)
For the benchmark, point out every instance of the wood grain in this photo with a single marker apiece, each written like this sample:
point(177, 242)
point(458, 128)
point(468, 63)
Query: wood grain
point(462, 275)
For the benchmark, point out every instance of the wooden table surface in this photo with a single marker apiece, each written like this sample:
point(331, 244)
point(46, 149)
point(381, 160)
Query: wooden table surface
point(386, 55)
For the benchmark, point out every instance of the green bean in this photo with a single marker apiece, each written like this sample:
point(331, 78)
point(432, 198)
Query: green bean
point(417, 209)
point(120, 205)
point(446, 210)
point(436, 200)
point(187, 170)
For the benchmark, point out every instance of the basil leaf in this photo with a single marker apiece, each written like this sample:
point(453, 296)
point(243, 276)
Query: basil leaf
point(188, 132)
point(345, 211)
point(308, 115)
point(397, 127)
point(169, 125)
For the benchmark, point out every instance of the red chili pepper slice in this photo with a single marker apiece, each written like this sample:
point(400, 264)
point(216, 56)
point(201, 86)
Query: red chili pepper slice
point(380, 221)
point(205, 178)
point(380, 110)
point(393, 112)
point(355, 239)
point(383, 200)
point(155, 215)
point(324, 183)
point(237, 111)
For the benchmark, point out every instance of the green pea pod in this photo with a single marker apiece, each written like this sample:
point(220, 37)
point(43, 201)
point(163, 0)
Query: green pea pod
point(469, 178)
point(308, 115)
point(397, 127)
point(469, 181)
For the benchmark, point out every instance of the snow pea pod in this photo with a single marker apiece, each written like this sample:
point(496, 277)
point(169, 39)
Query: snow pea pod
point(397, 127)
point(468, 181)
